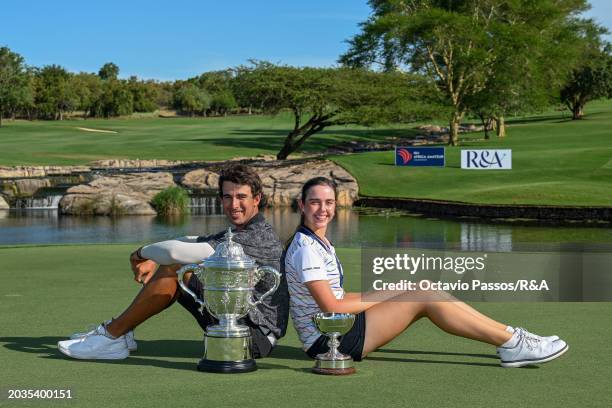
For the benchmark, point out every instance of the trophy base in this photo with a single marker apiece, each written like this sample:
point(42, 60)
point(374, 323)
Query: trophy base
point(227, 355)
point(334, 371)
point(227, 367)
point(334, 367)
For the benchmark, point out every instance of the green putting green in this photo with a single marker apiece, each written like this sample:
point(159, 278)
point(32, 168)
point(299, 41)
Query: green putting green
point(48, 292)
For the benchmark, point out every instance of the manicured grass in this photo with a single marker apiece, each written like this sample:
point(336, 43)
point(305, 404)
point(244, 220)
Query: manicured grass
point(47, 292)
point(61, 143)
point(554, 162)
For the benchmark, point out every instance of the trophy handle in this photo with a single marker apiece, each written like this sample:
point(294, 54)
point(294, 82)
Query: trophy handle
point(277, 279)
point(180, 273)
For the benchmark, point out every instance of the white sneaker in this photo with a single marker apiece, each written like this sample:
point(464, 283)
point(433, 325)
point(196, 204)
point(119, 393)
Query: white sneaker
point(95, 346)
point(130, 340)
point(529, 349)
point(547, 338)
point(511, 329)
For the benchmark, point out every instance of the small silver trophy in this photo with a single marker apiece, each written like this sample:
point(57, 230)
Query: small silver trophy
point(228, 280)
point(333, 362)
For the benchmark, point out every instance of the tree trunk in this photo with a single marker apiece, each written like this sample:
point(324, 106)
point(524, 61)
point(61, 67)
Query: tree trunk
point(500, 126)
point(453, 138)
point(577, 111)
point(485, 126)
point(489, 125)
point(297, 137)
point(0, 118)
point(288, 148)
point(250, 111)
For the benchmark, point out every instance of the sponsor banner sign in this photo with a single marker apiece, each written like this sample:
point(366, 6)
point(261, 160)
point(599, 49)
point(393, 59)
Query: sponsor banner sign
point(489, 159)
point(420, 156)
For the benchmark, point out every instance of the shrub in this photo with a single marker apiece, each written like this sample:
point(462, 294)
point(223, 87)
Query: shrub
point(172, 200)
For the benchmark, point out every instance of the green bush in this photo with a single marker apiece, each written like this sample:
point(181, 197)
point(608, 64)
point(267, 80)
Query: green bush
point(172, 200)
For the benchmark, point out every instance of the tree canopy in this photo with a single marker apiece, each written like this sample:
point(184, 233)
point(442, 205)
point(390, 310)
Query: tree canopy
point(494, 51)
point(108, 71)
point(13, 80)
point(592, 78)
point(323, 97)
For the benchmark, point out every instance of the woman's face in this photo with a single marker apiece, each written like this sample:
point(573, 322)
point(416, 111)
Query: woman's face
point(318, 207)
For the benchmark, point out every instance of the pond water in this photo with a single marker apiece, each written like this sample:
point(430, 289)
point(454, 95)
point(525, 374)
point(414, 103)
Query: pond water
point(351, 228)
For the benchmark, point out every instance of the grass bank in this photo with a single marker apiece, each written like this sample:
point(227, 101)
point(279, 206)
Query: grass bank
point(46, 293)
point(555, 161)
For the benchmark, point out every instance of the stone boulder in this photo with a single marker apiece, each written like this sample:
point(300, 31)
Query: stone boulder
point(135, 163)
point(126, 194)
point(283, 184)
point(470, 127)
point(27, 187)
point(283, 180)
point(23, 187)
point(3, 204)
point(431, 129)
point(201, 179)
point(40, 171)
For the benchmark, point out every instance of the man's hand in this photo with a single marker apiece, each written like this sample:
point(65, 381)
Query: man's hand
point(143, 269)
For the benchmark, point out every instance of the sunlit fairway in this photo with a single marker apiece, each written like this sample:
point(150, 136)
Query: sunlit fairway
point(556, 161)
point(65, 142)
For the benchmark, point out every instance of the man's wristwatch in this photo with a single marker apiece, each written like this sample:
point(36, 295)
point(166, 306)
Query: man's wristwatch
point(138, 255)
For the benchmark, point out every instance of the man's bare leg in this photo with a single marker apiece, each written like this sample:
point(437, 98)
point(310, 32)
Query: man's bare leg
point(155, 296)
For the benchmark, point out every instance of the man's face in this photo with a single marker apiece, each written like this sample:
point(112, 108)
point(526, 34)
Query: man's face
point(239, 205)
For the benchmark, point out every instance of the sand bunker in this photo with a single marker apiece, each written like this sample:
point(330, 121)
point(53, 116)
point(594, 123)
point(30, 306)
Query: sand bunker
point(96, 130)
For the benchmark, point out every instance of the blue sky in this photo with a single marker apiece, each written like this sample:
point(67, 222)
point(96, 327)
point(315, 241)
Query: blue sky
point(182, 38)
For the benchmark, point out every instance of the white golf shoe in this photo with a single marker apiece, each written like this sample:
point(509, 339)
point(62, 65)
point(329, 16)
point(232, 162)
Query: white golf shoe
point(130, 340)
point(96, 345)
point(547, 338)
point(526, 349)
point(511, 329)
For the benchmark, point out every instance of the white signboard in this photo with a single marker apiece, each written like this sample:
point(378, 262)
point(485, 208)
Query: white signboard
point(490, 159)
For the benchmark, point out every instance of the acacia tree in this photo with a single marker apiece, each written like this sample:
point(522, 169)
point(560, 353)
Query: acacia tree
point(323, 97)
point(461, 44)
point(13, 80)
point(592, 80)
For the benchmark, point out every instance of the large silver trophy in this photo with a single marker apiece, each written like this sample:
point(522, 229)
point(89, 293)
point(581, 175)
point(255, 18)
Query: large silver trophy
point(228, 280)
point(334, 325)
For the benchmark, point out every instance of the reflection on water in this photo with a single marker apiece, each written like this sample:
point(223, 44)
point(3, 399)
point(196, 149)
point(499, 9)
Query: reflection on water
point(351, 228)
point(485, 237)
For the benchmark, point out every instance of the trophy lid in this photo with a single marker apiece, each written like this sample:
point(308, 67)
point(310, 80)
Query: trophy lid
point(229, 254)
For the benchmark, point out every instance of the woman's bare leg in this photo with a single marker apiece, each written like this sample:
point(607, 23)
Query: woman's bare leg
point(427, 295)
point(481, 316)
point(387, 320)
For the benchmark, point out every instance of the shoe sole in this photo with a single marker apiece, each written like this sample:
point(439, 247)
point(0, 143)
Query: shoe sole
point(522, 363)
point(120, 355)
